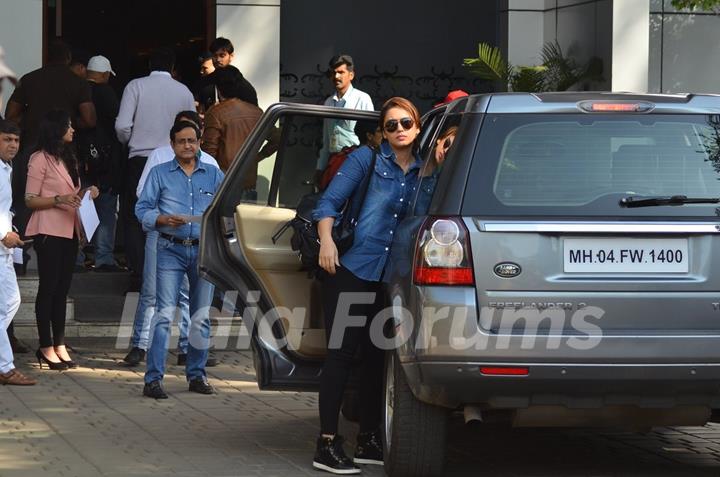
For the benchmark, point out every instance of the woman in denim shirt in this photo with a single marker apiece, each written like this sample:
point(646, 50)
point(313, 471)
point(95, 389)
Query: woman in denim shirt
point(392, 184)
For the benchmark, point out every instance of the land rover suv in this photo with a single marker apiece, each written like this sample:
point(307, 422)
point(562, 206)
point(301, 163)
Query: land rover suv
point(563, 269)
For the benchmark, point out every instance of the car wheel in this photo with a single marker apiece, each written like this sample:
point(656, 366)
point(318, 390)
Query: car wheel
point(414, 433)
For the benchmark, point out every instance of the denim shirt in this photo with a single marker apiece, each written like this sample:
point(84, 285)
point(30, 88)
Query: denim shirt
point(169, 191)
point(389, 192)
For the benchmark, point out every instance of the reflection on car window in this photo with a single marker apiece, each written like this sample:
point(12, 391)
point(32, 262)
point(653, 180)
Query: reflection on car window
point(433, 166)
point(581, 165)
point(570, 163)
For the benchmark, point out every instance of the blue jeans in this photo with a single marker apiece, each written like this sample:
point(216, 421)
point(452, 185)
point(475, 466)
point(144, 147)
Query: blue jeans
point(104, 238)
point(146, 305)
point(175, 261)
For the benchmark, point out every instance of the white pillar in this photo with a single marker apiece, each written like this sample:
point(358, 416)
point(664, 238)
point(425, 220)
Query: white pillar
point(630, 45)
point(21, 38)
point(253, 26)
point(526, 31)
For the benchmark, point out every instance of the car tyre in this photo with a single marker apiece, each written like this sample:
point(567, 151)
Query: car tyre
point(414, 433)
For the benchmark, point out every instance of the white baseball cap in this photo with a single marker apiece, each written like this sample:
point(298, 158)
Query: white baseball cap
point(100, 64)
point(5, 71)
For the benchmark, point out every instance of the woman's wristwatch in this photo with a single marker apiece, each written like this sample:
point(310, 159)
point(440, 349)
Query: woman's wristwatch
point(57, 199)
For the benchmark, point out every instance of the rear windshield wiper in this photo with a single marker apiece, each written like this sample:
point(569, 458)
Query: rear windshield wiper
point(631, 201)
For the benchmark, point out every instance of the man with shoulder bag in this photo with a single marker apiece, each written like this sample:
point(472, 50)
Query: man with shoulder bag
point(99, 153)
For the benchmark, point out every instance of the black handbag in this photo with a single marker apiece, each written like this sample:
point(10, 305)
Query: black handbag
point(306, 240)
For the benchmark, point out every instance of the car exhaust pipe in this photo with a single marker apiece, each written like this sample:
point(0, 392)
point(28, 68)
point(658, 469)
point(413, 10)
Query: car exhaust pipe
point(472, 414)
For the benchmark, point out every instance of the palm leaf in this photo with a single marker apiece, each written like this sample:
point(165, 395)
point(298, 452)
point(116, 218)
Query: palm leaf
point(528, 79)
point(489, 64)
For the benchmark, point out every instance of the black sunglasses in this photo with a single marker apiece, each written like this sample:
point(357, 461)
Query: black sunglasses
point(446, 145)
point(391, 125)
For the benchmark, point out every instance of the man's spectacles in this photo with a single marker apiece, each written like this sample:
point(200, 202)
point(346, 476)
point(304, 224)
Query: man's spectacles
point(190, 142)
point(391, 125)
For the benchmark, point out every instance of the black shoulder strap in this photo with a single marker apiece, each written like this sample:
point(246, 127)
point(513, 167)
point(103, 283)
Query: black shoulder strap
point(362, 190)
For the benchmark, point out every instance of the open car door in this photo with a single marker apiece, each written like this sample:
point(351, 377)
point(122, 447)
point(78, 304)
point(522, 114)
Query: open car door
point(237, 250)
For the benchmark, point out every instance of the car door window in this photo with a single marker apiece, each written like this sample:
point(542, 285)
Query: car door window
point(436, 149)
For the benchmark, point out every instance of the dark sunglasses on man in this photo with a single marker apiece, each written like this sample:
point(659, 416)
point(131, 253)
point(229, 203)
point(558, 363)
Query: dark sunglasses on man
point(391, 125)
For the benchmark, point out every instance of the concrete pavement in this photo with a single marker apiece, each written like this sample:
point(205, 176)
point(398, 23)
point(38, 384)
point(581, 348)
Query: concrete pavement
point(93, 421)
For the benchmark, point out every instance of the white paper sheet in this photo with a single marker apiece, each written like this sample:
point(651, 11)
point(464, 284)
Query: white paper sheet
point(17, 254)
point(191, 218)
point(88, 216)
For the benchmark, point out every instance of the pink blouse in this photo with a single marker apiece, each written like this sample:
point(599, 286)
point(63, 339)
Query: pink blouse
point(48, 177)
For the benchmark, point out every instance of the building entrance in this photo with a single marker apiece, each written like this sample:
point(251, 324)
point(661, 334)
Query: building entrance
point(126, 31)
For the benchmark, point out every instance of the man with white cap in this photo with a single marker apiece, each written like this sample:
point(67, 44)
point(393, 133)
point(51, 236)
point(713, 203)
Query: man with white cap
point(99, 151)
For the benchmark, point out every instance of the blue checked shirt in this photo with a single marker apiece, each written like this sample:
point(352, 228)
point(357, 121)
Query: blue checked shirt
point(169, 191)
point(340, 133)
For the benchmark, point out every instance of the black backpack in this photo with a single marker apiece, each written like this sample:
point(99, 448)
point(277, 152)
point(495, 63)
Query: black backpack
point(305, 239)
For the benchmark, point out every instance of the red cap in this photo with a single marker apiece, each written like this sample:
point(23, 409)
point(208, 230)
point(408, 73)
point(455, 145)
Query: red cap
point(452, 96)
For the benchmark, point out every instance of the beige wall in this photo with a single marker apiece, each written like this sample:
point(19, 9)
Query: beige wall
point(21, 38)
point(631, 45)
point(253, 26)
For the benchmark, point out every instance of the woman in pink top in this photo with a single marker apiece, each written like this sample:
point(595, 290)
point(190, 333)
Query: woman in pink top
point(53, 194)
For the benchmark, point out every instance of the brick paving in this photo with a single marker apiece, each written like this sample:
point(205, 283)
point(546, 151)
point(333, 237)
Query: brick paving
point(93, 421)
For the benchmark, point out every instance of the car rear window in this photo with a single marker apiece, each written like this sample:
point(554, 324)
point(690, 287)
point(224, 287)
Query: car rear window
point(583, 164)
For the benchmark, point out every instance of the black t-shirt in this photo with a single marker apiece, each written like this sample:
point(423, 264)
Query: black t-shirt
point(98, 148)
point(206, 96)
point(51, 87)
point(107, 106)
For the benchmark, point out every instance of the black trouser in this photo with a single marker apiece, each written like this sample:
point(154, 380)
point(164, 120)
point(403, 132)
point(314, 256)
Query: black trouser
point(56, 261)
point(134, 235)
point(338, 362)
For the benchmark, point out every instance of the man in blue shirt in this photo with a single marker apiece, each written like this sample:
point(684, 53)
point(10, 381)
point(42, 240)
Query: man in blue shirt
point(175, 195)
point(340, 133)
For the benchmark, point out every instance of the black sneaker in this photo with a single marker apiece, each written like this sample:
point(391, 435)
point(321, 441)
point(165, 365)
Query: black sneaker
point(200, 386)
point(330, 457)
point(134, 357)
point(369, 449)
point(154, 390)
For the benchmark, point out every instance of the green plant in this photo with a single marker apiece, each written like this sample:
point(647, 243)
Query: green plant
point(696, 4)
point(555, 73)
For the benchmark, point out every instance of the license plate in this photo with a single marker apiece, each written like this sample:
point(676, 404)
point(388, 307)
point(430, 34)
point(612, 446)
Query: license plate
point(626, 255)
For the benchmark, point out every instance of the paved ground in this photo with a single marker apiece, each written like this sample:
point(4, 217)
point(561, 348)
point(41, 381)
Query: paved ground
point(93, 422)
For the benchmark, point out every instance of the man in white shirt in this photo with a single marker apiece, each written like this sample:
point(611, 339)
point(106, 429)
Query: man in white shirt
point(9, 290)
point(339, 133)
point(147, 112)
point(139, 341)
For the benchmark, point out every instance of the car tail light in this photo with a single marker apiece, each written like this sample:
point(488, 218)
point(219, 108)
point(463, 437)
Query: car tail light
point(442, 255)
point(616, 107)
point(504, 371)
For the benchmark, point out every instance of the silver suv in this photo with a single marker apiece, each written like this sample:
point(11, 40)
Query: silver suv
point(559, 268)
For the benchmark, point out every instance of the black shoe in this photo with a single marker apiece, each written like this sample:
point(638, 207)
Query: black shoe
point(330, 457)
point(70, 364)
point(134, 357)
point(200, 386)
point(369, 449)
point(154, 390)
point(182, 359)
point(18, 347)
point(59, 366)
